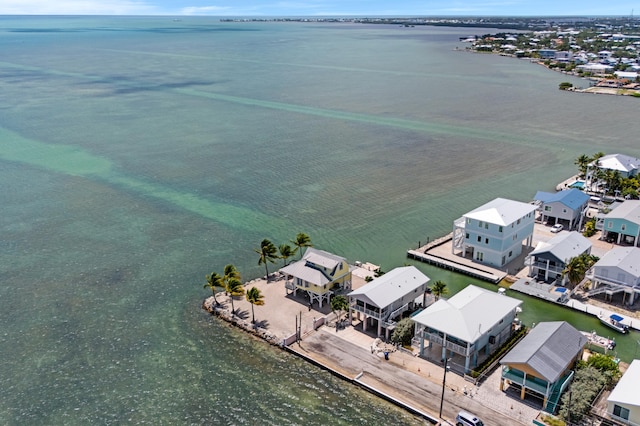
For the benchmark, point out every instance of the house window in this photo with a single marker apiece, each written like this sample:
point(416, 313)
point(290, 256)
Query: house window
point(519, 221)
point(486, 225)
point(466, 235)
point(623, 227)
point(479, 224)
point(547, 208)
point(510, 253)
point(564, 210)
point(479, 239)
point(500, 229)
point(468, 221)
point(479, 256)
point(621, 412)
point(610, 225)
point(486, 241)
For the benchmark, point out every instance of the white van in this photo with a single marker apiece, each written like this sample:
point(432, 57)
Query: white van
point(464, 418)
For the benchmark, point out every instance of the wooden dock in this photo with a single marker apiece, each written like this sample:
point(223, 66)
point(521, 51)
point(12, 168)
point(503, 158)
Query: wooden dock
point(438, 253)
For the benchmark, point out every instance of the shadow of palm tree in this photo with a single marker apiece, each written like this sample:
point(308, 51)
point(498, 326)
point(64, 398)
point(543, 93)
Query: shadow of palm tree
point(242, 314)
point(262, 324)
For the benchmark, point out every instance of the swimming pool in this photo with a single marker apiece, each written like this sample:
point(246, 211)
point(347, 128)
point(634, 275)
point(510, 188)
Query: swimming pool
point(577, 184)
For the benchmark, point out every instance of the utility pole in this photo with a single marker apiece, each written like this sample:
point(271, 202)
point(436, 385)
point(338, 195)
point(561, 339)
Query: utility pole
point(444, 381)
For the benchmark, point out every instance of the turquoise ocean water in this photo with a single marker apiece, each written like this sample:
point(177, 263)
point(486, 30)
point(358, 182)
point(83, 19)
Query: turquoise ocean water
point(139, 154)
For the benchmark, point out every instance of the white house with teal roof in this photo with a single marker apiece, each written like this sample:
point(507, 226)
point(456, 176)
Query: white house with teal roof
point(494, 233)
point(565, 207)
point(622, 224)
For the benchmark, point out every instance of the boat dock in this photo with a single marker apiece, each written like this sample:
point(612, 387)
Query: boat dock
point(601, 342)
point(438, 253)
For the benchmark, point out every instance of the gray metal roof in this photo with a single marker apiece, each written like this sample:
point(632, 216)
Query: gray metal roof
point(628, 210)
point(393, 285)
point(563, 246)
point(549, 349)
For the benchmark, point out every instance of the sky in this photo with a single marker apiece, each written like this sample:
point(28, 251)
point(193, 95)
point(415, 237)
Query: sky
point(322, 7)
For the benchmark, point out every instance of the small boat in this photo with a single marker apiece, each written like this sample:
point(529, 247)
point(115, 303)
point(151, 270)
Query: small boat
point(614, 321)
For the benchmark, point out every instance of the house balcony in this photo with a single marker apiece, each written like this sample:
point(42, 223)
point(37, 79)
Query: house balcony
point(454, 347)
point(542, 266)
point(533, 383)
point(368, 312)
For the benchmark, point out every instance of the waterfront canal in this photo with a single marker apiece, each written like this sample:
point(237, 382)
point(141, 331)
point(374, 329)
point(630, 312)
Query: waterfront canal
point(536, 310)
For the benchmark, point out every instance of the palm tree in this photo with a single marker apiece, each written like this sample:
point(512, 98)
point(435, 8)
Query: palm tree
point(302, 240)
point(339, 303)
point(577, 267)
point(254, 296)
point(268, 253)
point(214, 280)
point(582, 162)
point(439, 289)
point(286, 251)
point(230, 272)
point(235, 289)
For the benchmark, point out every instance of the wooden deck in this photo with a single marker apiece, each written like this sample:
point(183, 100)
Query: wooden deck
point(438, 253)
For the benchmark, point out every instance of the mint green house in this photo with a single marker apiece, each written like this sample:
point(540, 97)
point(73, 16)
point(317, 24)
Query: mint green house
point(622, 224)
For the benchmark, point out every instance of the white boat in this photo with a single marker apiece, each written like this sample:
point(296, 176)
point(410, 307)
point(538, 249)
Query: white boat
point(614, 321)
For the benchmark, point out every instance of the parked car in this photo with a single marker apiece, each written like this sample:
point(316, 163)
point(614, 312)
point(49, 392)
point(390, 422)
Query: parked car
point(464, 418)
point(557, 228)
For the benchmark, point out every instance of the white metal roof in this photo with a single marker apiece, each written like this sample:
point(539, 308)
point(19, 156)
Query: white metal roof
point(620, 162)
point(501, 211)
point(393, 285)
point(468, 314)
point(303, 268)
point(322, 258)
point(625, 258)
point(626, 391)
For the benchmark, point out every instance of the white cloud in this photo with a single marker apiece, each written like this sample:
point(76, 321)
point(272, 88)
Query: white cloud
point(76, 7)
point(206, 10)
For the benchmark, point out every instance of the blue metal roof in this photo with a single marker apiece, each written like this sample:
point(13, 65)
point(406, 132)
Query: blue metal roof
point(572, 198)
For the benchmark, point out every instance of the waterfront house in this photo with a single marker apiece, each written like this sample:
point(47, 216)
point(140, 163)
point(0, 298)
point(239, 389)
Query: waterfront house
point(467, 327)
point(387, 297)
point(565, 207)
point(626, 165)
point(622, 224)
point(549, 258)
point(623, 404)
point(542, 363)
point(618, 271)
point(317, 274)
point(493, 233)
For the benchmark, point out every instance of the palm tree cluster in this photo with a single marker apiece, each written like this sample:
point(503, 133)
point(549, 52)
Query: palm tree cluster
point(231, 282)
point(232, 285)
point(269, 253)
point(611, 180)
point(577, 268)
